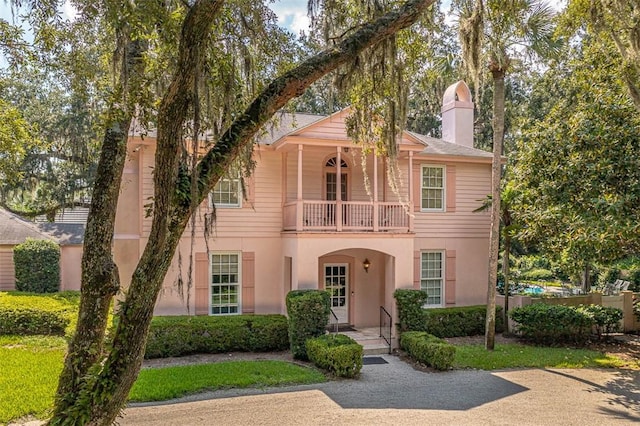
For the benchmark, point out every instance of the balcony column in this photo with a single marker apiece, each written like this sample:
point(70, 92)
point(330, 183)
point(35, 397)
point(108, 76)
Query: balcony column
point(411, 184)
point(338, 189)
point(376, 207)
point(299, 202)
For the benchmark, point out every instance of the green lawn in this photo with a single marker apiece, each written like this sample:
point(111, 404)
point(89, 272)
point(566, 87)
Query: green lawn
point(525, 356)
point(159, 384)
point(29, 369)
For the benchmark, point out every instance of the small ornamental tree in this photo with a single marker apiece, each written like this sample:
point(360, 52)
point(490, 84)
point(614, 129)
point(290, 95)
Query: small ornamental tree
point(37, 266)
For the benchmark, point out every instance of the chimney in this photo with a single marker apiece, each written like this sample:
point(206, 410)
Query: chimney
point(457, 115)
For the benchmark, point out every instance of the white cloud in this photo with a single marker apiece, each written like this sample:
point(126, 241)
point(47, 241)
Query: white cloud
point(292, 14)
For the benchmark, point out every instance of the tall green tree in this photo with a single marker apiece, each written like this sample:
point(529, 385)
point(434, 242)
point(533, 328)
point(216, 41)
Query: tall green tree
point(579, 166)
point(497, 33)
point(185, 68)
point(617, 21)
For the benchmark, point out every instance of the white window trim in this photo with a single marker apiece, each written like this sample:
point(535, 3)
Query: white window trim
point(239, 254)
point(225, 205)
point(442, 278)
point(444, 187)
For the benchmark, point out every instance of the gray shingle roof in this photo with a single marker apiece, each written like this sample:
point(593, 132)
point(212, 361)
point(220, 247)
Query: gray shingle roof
point(15, 230)
point(442, 147)
point(64, 233)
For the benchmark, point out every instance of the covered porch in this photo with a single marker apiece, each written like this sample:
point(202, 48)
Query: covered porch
point(331, 185)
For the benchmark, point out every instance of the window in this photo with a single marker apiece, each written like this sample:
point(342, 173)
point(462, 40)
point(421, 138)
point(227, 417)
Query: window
point(225, 283)
point(227, 193)
point(432, 188)
point(432, 277)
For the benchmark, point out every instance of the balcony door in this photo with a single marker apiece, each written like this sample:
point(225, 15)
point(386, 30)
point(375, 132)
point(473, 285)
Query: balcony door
point(331, 188)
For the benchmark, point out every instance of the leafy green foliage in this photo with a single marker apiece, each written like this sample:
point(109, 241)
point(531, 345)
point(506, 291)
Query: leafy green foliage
point(537, 274)
point(554, 324)
point(336, 353)
point(37, 266)
point(410, 311)
point(26, 321)
point(161, 384)
point(428, 349)
point(30, 313)
point(182, 335)
point(459, 321)
point(15, 142)
point(577, 166)
point(308, 312)
point(606, 319)
point(441, 322)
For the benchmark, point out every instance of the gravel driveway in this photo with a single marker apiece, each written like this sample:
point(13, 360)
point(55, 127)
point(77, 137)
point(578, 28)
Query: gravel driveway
point(395, 393)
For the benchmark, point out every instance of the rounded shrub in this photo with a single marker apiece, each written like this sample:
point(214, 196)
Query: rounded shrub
point(37, 266)
point(336, 353)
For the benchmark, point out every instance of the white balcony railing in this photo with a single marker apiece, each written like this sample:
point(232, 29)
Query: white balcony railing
point(356, 216)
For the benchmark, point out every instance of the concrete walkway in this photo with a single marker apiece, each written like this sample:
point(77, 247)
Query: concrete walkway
point(395, 393)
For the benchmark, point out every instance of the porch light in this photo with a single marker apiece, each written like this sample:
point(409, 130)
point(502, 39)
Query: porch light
point(366, 264)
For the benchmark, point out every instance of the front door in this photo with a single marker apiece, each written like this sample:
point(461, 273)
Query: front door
point(336, 282)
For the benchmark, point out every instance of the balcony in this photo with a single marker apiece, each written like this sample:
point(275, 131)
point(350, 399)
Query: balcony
point(346, 216)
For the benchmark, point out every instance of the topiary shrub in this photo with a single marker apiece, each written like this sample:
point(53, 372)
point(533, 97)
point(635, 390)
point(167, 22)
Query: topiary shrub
point(37, 266)
point(428, 349)
point(308, 312)
point(411, 314)
point(184, 335)
point(336, 353)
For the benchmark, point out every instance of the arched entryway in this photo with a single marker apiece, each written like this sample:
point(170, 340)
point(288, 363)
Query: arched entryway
point(359, 281)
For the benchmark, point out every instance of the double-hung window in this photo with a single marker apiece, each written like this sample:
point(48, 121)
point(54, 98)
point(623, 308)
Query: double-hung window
point(432, 186)
point(432, 277)
point(225, 283)
point(227, 193)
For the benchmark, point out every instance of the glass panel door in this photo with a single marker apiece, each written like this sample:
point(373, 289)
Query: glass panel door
point(336, 282)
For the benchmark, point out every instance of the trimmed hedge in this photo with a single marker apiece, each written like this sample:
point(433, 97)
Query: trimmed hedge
point(553, 324)
point(428, 349)
point(184, 335)
point(336, 353)
point(37, 266)
point(460, 321)
point(441, 322)
point(308, 312)
point(33, 314)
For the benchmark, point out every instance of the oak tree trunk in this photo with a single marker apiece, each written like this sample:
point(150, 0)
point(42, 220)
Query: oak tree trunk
point(103, 383)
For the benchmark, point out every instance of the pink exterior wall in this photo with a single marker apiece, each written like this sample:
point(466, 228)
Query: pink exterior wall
point(7, 274)
point(70, 268)
point(285, 260)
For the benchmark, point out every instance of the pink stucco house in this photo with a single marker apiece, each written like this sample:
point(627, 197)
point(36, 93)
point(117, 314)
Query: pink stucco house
point(294, 229)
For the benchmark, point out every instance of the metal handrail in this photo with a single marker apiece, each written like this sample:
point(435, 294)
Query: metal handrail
point(384, 315)
point(335, 326)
